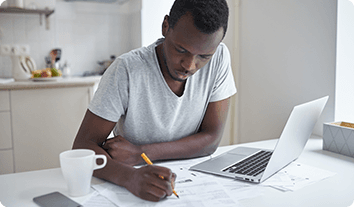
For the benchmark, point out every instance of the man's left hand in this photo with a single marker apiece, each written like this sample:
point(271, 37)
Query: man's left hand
point(123, 151)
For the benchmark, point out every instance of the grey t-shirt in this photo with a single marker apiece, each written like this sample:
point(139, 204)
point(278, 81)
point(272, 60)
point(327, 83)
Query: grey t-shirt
point(133, 93)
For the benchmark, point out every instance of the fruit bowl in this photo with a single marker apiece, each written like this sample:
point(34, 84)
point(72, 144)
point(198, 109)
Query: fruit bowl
point(47, 74)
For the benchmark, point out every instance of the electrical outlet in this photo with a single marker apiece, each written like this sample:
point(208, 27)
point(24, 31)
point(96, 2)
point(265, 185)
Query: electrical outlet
point(24, 49)
point(15, 50)
point(5, 49)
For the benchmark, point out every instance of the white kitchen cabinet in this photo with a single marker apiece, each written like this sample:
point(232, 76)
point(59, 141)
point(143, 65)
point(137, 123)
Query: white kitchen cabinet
point(40, 120)
point(5, 120)
point(45, 122)
point(6, 152)
point(5, 130)
point(6, 162)
point(4, 101)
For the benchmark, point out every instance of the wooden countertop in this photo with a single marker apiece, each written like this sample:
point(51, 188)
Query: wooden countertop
point(58, 83)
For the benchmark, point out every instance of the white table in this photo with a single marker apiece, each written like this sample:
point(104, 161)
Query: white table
point(18, 189)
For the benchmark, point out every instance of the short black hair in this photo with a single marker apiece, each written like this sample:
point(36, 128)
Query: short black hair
point(208, 15)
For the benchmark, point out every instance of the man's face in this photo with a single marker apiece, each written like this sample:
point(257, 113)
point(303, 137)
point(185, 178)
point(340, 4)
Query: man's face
point(186, 49)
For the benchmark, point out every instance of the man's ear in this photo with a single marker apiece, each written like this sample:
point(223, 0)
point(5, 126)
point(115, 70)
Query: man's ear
point(165, 26)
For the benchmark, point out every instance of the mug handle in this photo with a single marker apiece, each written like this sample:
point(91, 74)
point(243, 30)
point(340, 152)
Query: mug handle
point(95, 167)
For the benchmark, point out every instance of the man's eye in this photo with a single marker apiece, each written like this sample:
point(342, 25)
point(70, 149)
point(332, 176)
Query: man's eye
point(181, 50)
point(206, 57)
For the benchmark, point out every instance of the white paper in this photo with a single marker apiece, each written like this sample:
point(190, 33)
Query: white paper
point(97, 200)
point(240, 189)
point(296, 176)
point(193, 193)
point(194, 189)
point(200, 189)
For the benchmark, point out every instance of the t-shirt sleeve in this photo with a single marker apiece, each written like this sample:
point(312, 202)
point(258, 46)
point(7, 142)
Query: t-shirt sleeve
point(224, 86)
point(111, 98)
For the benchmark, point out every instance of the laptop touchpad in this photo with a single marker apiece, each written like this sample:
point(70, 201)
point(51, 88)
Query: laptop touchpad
point(243, 151)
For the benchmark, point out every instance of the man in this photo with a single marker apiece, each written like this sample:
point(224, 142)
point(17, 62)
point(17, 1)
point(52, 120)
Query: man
point(169, 100)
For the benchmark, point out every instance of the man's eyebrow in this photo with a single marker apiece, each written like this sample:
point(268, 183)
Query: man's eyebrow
point(180, 47)
point(206, 55)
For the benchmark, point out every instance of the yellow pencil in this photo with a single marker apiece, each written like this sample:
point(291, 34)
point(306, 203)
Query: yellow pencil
point(148, 161)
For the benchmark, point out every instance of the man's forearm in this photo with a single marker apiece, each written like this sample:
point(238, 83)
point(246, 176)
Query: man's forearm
point(199, 144)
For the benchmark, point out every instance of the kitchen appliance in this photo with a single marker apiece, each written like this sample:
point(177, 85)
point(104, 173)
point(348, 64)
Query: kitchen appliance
point(55, 55)
point(22, 66)
point(22, 63)
point(105, 64)
point(53, 58)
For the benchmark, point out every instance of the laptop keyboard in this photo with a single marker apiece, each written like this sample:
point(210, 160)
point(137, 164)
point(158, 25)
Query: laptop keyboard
point(252, 165)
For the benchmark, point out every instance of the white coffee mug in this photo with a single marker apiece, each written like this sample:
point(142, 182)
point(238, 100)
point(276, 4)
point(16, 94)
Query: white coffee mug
point(77, 167)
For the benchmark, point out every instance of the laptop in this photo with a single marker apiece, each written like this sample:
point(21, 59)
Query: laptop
point(256, 165)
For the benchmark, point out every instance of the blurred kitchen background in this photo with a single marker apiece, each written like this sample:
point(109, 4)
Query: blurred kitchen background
point(85, 31)
point(283, 53)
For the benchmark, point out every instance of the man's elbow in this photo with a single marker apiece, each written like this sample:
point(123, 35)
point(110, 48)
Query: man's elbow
point(212, 147)
point(210, 151)
point(80, 144)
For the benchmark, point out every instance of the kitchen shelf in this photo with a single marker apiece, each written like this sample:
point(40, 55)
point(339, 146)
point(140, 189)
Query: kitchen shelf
point(41, 12)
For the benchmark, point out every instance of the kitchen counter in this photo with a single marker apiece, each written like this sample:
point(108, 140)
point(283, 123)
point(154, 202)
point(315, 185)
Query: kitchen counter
point(57, 83)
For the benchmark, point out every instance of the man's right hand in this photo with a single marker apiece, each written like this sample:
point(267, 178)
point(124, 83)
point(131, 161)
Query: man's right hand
point(121, 157)
point(147, 184)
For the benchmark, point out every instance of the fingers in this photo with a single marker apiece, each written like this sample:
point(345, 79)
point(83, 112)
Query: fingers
point(123, 151)
point(109, 144)
point(147, 190)
point(155, 193)
point(161, 171)
point(174, 176)
point(146, 182)
point(161, 176)
point(158, 187)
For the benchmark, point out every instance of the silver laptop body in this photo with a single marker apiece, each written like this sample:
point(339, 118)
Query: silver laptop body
point(292, 141)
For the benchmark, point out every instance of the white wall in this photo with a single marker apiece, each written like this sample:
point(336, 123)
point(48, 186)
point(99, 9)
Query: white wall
point(287, 57)
point(86, 32)
point(345, 62)
point(230, 40)
point(152, 15)
point(283, 52)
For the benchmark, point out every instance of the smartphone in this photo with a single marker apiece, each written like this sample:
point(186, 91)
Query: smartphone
point(55, 199)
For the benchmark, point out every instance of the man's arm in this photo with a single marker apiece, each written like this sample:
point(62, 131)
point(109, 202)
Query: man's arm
point(205, 142)
point(143, 182)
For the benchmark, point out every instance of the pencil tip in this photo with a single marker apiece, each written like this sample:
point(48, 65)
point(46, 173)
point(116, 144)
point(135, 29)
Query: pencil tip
point(177, 196)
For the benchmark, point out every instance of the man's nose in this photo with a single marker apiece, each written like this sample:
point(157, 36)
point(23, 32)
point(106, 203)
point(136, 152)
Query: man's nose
point(189, 62)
